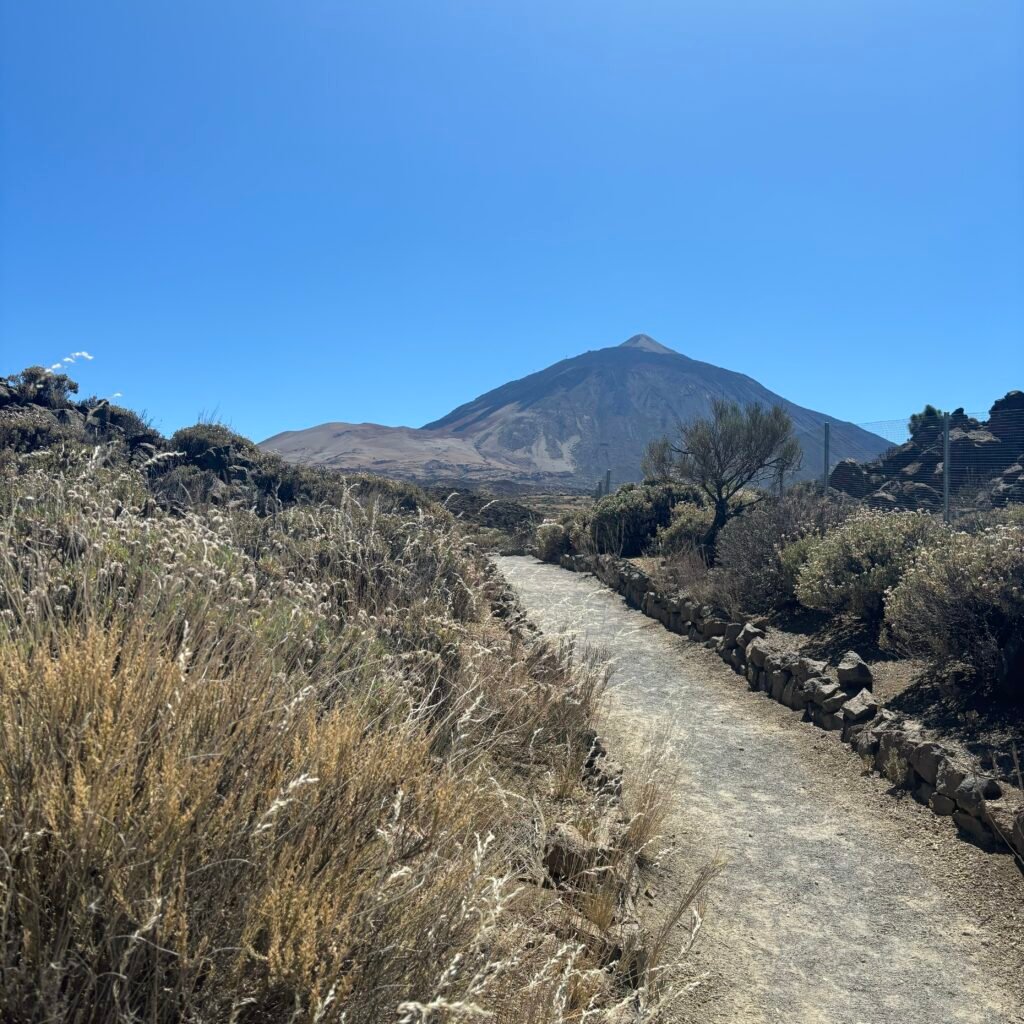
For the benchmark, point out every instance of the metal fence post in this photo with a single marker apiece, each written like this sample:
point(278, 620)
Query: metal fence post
point(824, 476)
point(945, 466)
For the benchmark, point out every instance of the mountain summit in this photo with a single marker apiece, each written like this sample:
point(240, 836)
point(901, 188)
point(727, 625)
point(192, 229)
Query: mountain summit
point(646, 343)
point(566, 425)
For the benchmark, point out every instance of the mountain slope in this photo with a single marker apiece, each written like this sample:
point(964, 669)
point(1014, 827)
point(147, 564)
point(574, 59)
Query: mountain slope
point(568, 423)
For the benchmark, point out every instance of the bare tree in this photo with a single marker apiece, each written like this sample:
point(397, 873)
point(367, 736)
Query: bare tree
point(657, 462)
point(732, 449)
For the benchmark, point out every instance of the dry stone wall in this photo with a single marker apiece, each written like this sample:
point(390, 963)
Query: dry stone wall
point(986, 811)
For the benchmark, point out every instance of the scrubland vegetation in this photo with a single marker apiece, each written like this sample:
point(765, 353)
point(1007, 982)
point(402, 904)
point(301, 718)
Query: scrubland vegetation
point(952, 594)
point(273, 747)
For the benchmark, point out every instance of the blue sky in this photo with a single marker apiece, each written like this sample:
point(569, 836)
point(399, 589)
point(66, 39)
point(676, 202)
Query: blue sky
point(288, 213)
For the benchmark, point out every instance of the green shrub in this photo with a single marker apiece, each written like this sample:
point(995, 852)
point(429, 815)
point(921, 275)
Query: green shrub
point(196, 441)
point(32, 430)
point(581, 539)
point(760, 551)
point(40, 386)
point(688, 527)
point(626, 523)
point(552, 542)
point(851, 567)
point(961, 603)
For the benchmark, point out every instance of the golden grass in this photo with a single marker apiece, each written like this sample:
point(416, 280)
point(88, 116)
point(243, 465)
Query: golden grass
point(280, 768)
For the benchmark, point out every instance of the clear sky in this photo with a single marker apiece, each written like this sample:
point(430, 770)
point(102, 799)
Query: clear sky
point(292, 212)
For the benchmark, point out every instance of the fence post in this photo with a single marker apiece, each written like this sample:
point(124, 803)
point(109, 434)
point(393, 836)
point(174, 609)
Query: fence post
point(824, 476)
point(945, 466)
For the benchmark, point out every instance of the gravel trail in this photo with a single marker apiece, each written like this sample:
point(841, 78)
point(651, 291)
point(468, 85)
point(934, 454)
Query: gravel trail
point(839, 903)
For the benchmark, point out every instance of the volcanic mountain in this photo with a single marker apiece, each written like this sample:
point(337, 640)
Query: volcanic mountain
point(566, 425)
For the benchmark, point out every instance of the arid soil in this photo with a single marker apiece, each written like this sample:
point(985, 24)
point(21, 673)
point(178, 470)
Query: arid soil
point(839, 903)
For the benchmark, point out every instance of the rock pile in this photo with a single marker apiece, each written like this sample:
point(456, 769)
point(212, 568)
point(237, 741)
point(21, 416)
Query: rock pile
point(986, 457)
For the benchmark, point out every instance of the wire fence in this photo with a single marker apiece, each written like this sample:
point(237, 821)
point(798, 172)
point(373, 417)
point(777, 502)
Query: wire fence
point(956, 464)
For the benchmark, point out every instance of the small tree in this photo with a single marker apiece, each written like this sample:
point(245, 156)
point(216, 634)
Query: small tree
point(731, 449)
point(656, 464)
point(928, 419)
point(40, 386)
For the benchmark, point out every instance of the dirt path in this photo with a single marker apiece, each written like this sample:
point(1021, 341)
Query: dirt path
point(839, 903)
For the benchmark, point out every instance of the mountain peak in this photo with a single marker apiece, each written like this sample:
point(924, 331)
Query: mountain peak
point(646, 343)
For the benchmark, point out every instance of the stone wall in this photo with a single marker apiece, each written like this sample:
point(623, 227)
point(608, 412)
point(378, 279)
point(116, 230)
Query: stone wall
point(986, 811)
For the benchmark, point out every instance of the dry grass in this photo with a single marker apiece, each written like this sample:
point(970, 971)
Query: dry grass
point(279, 768)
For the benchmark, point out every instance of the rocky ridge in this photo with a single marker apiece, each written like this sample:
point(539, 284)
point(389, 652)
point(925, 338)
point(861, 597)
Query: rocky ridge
point(986, 463)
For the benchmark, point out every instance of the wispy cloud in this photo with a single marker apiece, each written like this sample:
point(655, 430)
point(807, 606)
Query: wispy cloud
point(68, 360)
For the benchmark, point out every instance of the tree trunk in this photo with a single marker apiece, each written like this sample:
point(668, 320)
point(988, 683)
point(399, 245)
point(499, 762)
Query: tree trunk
point(711, 537)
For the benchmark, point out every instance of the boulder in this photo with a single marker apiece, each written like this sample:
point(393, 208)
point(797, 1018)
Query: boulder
point(854, 673)
point(925, 759)
point(890, 760)
point(608, 777)
point(758, 651)
point(732, 632)
point(801, 695)
point(830, 721)
point(923, 791)
point(808, 668)
point(777, 686)
point(851, 477)
point(713, 627)
point(216, 458)
point(942, 805)
point(865, 743)
point(971, 794)
point(949, 777)
point(861, 708)
point(826, 694)
point(1006, 416)
point(1001, 816)
point(747, 633)
point(971, 827)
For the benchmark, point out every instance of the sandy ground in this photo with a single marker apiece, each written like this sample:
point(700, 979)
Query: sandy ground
point(839, 903)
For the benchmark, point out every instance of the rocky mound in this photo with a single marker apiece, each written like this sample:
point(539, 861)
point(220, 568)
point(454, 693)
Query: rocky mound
point(986, 463)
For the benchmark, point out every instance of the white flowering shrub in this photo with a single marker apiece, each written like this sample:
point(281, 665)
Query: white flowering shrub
point(961, 603)
point(850, 568)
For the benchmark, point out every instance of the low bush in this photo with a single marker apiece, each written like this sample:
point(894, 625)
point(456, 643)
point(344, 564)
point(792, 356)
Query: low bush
point(627, 522)
point(197, 440)
point(42, 387)
point(850, 568)
point(961, 603)
point(756, 559)
point(32, 430)
point(552, 542)
point(687, 529)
